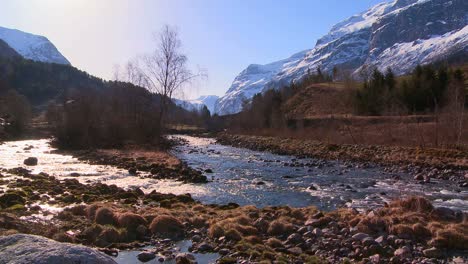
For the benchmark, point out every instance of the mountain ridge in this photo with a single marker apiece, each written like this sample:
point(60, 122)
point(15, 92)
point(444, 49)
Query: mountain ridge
point(398, 34)
point(33, 47)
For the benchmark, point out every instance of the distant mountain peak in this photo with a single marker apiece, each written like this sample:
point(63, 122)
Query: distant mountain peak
point(33, 47)
point(197, 104)
point(399, 34)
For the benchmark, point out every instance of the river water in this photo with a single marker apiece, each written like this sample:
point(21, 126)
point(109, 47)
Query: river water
point(250, 177)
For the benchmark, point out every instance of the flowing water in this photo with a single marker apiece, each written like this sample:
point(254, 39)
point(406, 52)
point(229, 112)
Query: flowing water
point(249, 177)
point(241, 176)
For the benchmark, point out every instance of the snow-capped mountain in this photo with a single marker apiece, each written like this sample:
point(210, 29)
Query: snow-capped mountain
point(197, 104)
point(398, 34)
point(252, 81)
point(33, 47)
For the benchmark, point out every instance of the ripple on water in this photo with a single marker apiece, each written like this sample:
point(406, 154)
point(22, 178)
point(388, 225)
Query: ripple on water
point(238, 171)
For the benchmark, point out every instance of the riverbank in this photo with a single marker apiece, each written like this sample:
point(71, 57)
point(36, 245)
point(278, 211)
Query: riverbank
point(138, 160)
point(79, 208)
point(112, 218)
point(446, 162)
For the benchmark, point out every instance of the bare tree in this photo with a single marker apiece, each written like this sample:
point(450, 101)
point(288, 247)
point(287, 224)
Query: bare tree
point(165, 70)
point(131, 72)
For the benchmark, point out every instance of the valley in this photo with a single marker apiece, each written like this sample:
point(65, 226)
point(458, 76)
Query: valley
point(353, 150)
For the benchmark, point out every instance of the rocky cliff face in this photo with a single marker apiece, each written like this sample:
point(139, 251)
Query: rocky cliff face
point(33, 47)
point(398, 34)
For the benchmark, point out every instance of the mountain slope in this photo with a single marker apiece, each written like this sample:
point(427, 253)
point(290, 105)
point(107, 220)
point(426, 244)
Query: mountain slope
point(252, 81)
point(399, 34)
point(33, 47)
point(6, 51)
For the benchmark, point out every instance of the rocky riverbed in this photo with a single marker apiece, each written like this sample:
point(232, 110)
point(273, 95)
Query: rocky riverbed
point(114, 210)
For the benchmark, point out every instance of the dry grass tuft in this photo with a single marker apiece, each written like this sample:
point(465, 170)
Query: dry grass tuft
point(274, 243)
point(91, 211)
point(167, 226)
point(79, 210)
point(130, 221)
point(233, 235)
point(414, 204)
point(454, 236)
point(104, 216)
point(280, 228)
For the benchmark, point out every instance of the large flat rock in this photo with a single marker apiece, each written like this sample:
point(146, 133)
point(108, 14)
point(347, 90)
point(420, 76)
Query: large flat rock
point(22, 248)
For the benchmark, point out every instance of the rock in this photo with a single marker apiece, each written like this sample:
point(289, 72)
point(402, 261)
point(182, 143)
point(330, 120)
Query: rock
point(381, 240)
point(419, 177)
point(317, 231)
point(318, 222)
point(132, 171)
point(360, 236)
point(368, 241)
point(185, 258)
point(402, 253)
point(295, 250)
point(31, 161)
point(317, 215)
point(22, 248)
point(444, 213)
point(375, 258)
point(432, 253)
point(205, 247)
point(223, 251)
point(294, 238)
point(196, 238)
point(146, 256)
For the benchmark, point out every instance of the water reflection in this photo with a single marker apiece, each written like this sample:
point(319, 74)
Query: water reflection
point(248, 177)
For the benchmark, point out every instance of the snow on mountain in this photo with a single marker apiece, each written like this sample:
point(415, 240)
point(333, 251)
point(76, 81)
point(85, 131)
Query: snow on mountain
point(197, 104)
point(33, 47)
point(250, 82)
point(398, 34)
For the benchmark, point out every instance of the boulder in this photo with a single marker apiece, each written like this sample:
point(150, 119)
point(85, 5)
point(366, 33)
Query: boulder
point(31, 161)
point(22, 248)
point(146, 256)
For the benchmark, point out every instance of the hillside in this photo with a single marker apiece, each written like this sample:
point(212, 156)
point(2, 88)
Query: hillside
point(318, 100)
point(41, 82)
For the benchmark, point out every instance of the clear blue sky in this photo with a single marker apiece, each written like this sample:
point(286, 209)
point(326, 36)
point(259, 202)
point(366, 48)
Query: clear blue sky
point(221, 36)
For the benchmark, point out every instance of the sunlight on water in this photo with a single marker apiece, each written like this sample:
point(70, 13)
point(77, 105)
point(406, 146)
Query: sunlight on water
point(246, 177)
point(13, 153)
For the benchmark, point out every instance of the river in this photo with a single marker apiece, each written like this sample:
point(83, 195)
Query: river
point(250, 177)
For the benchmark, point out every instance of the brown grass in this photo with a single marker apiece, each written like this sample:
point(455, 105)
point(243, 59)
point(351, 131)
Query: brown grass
point(130, 221)
point(274, 243)
point(166, 226)
point(104, 216)
point(280, 228)
point(414, 204)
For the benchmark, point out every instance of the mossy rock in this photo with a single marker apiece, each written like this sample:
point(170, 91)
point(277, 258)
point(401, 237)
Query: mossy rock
point(10, 199)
